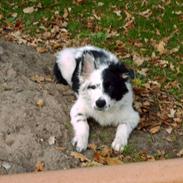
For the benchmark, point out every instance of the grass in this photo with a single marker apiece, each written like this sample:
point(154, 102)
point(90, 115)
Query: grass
point(153, 20)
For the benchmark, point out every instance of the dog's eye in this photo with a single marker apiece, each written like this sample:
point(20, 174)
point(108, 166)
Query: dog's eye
point(91, 87)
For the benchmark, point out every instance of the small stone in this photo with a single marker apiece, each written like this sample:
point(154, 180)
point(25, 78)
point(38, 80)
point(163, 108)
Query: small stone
point(51, 140)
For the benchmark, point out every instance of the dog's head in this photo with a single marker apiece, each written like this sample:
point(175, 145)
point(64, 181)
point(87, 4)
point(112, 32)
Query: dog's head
point(103, 87)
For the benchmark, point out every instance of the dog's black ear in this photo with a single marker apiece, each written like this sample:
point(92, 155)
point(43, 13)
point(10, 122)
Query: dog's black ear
point(88, 64)
point(124, 71)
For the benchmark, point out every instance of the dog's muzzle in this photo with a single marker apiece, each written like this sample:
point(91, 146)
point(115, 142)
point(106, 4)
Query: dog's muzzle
point(100, 104)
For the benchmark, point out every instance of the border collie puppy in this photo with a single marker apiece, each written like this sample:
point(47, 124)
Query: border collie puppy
point(103, 89)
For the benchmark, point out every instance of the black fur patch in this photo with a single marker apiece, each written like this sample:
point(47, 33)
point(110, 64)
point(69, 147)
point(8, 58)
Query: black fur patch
point(98, 54)
point(75, 76)
point(113, 83)
point(100, 57)
point(58, 75)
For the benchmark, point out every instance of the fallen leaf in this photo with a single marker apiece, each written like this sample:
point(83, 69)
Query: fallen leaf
point(106, 151)
point(39, 166)
point(143, 71)
point(172, 113)
point(98, 158)
point(41, 50)
point(174, 50)
point(180, 153)
point(169, 130)
point(129, 21)
point(147, 13)
point(154, 130)
point(100, 4)
point(113, 161)
point(66, 13)
point(161, 47)
point(1, 16)
point(91, 164)
point(28, 10)
point(14, 15)
point(138, 60)
point(117, 12)
point(40, 103)
point(37, 78)
point(92, 147)
point(79, 156)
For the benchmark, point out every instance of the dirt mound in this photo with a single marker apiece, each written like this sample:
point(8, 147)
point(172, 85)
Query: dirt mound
point(32, 132)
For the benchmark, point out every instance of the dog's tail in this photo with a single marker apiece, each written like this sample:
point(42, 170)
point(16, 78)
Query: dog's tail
point(58, 76)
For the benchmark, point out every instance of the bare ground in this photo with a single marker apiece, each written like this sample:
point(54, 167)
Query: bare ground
point(31, 133)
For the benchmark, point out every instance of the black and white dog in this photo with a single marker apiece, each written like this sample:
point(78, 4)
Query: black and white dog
point(103, 89)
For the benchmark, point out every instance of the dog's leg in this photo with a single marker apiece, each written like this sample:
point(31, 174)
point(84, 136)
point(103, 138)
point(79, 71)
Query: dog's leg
point(81, 128)
point(123, 132)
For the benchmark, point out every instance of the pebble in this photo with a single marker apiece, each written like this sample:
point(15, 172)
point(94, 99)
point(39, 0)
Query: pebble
point(51, 140)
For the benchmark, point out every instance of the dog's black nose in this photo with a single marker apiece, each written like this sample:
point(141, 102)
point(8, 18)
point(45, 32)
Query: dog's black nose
point(100, 103)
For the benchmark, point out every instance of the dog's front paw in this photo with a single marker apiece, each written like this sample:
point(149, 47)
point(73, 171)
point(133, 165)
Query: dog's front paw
point(119, 144)
point(80, 143)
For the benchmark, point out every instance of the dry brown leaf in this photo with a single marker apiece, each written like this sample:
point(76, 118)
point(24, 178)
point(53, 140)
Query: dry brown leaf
point(129, 21)
point(161, 47)
point(1, 16)
point(117, 12)
point(79, 156)
point(14, 15)
point(38, 79)
point(47, 35)
point(180, 153)
point(41, 50)
point(91, 164)
point(92, 147)
point(99, 159)
point(40, 165)
point(147, 13)
point(40, 103)
point(169, 130)
point(28, 10)
point(143, 71)
point(154, 130)
point(138, 60)
point(66, 13)
point(172, 113)
point(106, 151)
point(113, 161)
